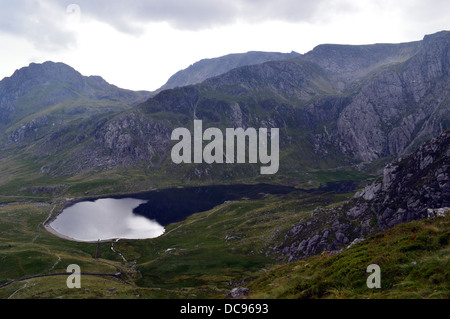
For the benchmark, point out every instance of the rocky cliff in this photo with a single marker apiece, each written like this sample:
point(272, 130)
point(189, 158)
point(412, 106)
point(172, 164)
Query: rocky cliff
point(409, 189)
point(335, 106)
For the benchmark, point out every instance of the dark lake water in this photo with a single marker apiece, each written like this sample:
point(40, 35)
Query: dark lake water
point(144, 215)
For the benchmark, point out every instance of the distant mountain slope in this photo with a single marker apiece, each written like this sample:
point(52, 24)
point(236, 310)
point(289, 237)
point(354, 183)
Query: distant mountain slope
point(207, 68)
point(42, 94)
point(329, 114)
point(409, 189)
point(336, 106)
point(350, 62)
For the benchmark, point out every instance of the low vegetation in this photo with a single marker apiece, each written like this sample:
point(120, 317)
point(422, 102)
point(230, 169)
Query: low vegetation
point(414, 259)
point(212, 252)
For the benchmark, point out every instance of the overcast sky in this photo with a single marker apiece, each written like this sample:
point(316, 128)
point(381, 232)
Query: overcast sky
point(139, 44)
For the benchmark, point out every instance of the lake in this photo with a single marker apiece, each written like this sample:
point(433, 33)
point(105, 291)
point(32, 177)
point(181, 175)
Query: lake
point(144, 215)
point(105, 219)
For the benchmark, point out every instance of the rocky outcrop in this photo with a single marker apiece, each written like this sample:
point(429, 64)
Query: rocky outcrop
point(27, 129)
point(412, 188)
point(132, 138)
point(237, 293)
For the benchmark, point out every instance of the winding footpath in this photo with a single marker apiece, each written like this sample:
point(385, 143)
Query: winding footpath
point(61, 274)
point(116, 275)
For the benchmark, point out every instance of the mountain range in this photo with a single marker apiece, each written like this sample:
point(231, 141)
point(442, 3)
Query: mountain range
point(337, 106)
point(364, 162)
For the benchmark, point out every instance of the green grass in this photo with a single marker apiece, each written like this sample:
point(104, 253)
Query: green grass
point(192, 259)
point(414, 259)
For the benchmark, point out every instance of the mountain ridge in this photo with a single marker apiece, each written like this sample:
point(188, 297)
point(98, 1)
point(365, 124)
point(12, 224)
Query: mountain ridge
point(79, 139)
point(327, 119)
point(207, 68)
point(33, 96)
point(391, 99)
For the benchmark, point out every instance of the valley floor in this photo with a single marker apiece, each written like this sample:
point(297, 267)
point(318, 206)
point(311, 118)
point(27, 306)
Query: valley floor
point(210, 253)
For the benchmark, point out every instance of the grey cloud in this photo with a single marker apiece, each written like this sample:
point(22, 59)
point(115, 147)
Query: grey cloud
point(126, 16)
point(36, 21)
point(43, 21)
point(427, 10)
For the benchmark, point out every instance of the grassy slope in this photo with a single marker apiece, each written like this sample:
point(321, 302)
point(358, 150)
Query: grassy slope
point(414, 259)
point(201, 265)
point(193, 259)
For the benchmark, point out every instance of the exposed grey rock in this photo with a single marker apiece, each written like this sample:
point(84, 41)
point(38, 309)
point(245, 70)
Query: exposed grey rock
point(27, 129)
point(388, 176)
point(354, 242)
point(439, 212)
point(207, 68)
point(230, 238)
point(384, 114)
point(240, 292)
point(409, 189)
point(335, 106)
point(369, 192)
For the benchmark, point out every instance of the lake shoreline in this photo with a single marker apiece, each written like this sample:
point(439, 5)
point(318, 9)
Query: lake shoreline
point(171, 205)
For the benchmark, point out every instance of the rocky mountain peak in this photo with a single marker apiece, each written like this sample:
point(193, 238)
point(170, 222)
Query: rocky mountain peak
point(47, 72)
point(35, 91)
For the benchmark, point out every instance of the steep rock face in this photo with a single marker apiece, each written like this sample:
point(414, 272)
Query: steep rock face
point(208, 68)
point(408, 190)
point(338, 104)
point(399, 104)
point(106, 143)
point(335, 106)
point(144, 139)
